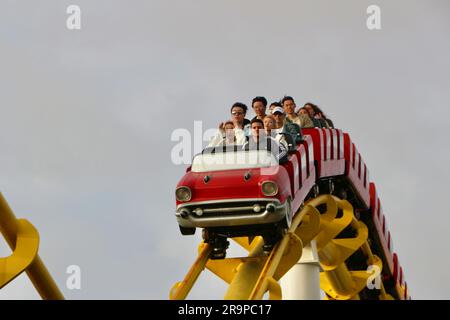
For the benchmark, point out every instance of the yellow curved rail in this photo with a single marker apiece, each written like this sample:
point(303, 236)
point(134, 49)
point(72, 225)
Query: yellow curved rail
point(23, 239)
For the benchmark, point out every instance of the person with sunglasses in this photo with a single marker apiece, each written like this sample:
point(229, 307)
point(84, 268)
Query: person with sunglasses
point(238, 112)
point(241, 125)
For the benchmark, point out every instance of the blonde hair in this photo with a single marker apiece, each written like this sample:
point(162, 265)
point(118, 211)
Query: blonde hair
point(269, 116)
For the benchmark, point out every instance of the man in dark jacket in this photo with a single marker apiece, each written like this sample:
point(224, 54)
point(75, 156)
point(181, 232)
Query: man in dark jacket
point(258, 140)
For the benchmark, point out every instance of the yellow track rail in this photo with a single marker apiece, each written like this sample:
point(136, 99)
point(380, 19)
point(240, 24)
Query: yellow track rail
point(252, 276)
point(23, 240)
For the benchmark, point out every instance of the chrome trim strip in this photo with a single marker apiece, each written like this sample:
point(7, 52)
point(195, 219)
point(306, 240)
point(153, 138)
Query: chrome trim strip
point(233, 209)
point(192, 221)
point(227, 201)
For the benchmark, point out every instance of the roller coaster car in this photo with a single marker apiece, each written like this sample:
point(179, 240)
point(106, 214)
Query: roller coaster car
point(233, 192)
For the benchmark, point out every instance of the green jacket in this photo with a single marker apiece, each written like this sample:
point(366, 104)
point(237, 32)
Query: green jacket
point(293, 129)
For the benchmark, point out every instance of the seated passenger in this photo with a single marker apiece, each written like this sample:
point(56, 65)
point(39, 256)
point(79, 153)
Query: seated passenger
point(329, 122)
point(303, 110)
point(304, 114)
point(269, 125)
point(238, 112)
point(326, 123)
point(284, 126)
point(258, 140)
point(227, 134)
point(289, 106)
point(229, 137)
point(310, 107)
point(259, 105)
point(273, 105)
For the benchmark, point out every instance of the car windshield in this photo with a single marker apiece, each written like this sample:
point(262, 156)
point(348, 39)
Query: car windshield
point(217, 159)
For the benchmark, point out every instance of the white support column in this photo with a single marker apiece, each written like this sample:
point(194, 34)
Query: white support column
point(302, 282)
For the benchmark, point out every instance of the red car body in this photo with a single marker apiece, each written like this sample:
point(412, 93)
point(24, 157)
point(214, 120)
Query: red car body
point(235, 197)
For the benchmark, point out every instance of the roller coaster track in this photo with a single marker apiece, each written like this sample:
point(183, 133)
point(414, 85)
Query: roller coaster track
point(323, 219)
point(23, 239)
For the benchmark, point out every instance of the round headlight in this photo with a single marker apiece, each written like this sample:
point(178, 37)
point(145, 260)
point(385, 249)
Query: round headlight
point(269, 188)
point(183, 194)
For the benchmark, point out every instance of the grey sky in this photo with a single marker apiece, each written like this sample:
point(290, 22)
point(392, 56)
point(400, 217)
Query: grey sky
point(86, 119)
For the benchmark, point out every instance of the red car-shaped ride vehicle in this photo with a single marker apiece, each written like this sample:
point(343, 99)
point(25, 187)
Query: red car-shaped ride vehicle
point(236, 192)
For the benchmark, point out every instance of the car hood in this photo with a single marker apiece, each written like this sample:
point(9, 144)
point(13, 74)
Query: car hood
point(223, 184)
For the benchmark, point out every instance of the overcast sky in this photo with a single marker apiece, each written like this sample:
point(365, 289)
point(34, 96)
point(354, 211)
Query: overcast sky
point(87, 115)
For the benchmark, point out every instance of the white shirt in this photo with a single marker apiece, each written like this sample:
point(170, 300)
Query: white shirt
point(220, 134)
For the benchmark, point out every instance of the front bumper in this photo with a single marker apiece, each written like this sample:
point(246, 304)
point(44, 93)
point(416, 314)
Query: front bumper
point(236, 212)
